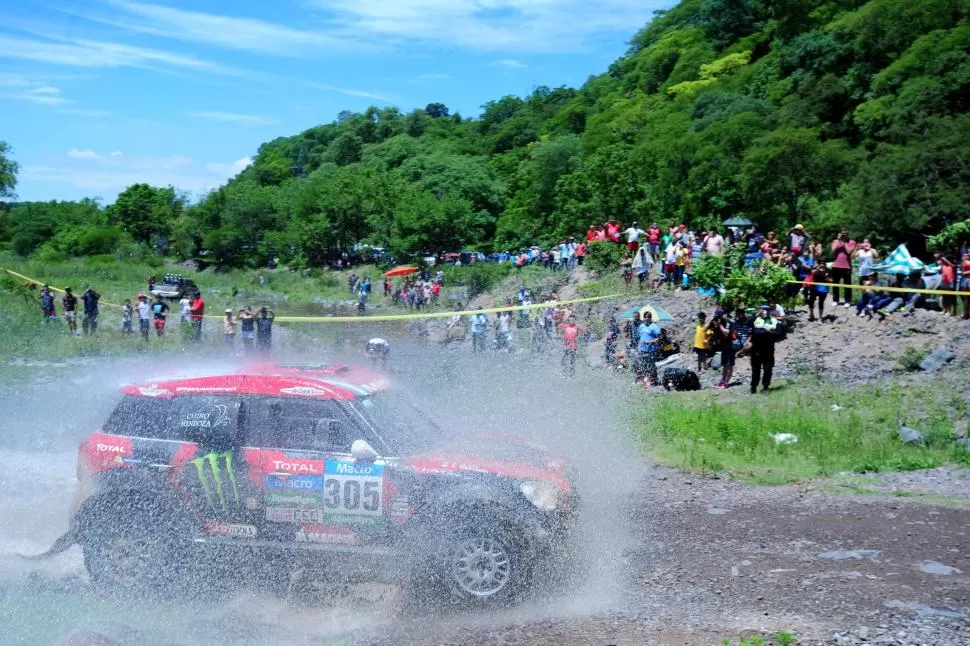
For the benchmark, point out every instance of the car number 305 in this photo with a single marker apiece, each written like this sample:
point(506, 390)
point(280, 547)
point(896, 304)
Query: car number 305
point(349, 495)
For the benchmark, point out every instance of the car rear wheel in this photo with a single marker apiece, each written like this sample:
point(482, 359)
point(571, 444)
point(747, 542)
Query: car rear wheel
point(129, 559)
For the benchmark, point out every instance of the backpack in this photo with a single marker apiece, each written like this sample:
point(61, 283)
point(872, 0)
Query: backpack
point(680, 379)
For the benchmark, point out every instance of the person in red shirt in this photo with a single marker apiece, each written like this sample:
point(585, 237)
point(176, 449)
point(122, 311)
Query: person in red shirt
point(965, 284)
point(197, 309)
point(948, 278)
point(613, 231)
point(570, 341)
point(842, 249)
point(591, 233)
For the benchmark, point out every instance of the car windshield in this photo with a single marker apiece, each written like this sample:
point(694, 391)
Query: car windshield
point(404, 428)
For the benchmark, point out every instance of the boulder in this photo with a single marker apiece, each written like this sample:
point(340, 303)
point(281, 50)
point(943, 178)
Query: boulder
point(964, 443)
point(937, 359)
point(910, 435)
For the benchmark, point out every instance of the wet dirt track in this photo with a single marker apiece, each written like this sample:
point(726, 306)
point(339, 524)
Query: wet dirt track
point(719, 558)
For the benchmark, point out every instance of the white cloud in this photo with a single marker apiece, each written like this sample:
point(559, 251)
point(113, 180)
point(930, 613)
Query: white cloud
point(232, 117)
point(110, 174)
point(92, 53)
point(116, 153)
point(425, 79)
point(511, 63)
point(86, 153)
point(44, 95)
point(226, 31)
point(229, 170)
point(84, 112)
point(492, 25)
point(367, 94)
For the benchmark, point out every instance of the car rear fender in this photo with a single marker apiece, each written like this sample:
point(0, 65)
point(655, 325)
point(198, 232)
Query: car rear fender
point(122, 499)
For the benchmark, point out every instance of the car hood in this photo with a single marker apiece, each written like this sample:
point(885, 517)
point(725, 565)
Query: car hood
point(520, 463)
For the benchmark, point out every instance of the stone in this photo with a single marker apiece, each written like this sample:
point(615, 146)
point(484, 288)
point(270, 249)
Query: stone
point(964, 443)
point(932, 567)
point(937, 359)
point(910, 435)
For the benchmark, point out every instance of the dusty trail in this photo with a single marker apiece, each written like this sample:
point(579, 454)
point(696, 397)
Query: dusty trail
point(672, 559)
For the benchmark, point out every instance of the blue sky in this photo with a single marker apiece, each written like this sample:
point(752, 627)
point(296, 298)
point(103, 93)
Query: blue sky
point(99, 94)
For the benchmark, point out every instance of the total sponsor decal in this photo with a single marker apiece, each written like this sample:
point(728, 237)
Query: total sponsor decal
point(230, 529)
point(311, 467)
point(108, 448)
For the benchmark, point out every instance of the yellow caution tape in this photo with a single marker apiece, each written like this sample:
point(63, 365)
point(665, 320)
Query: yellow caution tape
point(880, 288)
point(386, 317)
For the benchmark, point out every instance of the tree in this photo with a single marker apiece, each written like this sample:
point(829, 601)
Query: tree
point(146, 212)
point(437, 110)
point(8, 171)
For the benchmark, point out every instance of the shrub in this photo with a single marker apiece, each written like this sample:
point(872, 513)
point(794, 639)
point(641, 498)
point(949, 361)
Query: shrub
point(604, 256)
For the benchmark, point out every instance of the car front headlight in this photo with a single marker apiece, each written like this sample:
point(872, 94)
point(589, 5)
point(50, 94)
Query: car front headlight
point(540, 493)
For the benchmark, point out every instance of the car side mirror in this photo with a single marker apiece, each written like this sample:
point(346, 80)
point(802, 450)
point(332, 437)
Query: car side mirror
point(362, 451)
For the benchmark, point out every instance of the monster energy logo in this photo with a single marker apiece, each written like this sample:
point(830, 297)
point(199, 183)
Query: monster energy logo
point(209, 469)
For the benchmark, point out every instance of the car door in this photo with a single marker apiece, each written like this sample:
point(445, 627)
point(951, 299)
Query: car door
point(313, 491)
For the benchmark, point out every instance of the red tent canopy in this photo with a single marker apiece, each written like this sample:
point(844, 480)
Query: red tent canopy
point(402, 270)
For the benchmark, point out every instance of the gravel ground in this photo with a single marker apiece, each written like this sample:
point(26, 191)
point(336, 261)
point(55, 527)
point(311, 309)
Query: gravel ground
point(716, 559)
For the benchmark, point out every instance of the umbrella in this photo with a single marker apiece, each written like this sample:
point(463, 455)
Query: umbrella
point(659, 314)
point(899, 262)
point(402, 270)
point(738, 221)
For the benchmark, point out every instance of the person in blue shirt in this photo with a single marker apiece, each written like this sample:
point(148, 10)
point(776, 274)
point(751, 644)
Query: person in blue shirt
point(648, 335)
point(479, 326)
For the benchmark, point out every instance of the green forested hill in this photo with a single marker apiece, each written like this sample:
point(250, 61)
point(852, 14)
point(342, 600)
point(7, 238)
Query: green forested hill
point(825, 112)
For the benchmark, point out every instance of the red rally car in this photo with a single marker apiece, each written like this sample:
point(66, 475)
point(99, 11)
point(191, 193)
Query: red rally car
point(296, 468)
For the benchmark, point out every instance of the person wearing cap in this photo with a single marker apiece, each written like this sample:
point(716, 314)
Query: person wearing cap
point(229, 327)
point(761, 348)
point(797, 237)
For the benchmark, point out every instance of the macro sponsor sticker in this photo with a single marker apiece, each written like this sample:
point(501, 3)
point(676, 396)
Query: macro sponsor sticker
point(342, 468)
point(292, 500)
point(301, 483)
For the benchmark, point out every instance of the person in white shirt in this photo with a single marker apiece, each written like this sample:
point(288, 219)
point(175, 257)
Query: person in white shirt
point(185, 309)
point(144, 310)
point(633, 237)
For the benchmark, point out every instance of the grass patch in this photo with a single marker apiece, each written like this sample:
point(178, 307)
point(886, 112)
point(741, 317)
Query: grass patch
point(704, 433)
